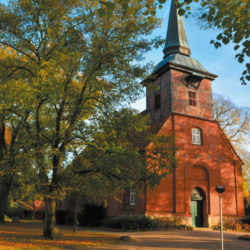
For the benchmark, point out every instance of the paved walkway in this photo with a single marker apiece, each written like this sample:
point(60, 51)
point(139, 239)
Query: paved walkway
point(197, 239)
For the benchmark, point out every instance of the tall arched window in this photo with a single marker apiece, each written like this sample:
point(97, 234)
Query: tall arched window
point(196, 136)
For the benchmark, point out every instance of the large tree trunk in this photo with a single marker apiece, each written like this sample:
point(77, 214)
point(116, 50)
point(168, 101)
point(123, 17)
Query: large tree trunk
point(50, 210)
point(50, 217)
point(5, 185)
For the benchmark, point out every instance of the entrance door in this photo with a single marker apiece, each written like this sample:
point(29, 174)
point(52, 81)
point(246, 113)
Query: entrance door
point(197, 213)
point(197, 199)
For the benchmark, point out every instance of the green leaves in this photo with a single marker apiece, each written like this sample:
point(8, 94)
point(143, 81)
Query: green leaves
point(181, 12)
point(231, 18)
point(125, 152)
point(106, 8)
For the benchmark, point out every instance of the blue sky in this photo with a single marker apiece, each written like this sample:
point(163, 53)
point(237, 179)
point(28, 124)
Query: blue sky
point(219, 61)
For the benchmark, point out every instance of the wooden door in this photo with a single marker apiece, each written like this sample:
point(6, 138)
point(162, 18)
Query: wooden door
point(197, 213)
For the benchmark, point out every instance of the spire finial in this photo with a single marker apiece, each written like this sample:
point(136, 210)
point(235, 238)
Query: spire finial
point(176, 41)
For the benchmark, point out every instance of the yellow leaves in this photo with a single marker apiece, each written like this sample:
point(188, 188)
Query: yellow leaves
point(117, 199)
point(29, 236)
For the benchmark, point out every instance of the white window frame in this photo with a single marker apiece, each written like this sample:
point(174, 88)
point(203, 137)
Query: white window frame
point(132, 197)
point(196, 136)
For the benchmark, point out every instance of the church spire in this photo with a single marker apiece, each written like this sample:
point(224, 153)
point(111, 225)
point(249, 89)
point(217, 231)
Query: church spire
point(176, 41)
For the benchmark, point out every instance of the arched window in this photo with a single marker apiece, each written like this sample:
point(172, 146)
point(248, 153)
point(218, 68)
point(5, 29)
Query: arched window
point(132, 197)
point(196, 136)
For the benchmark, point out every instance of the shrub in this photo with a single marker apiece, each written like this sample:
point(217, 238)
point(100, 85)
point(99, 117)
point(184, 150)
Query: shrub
point(247, 211)
point(92, 215)
point(131, 222)
point(246, 220)
point(64, 217)
point(7, 219)
point(233, 225)
point(15, 212)
point(141, 222)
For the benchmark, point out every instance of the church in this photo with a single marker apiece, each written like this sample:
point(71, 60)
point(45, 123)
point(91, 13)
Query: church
point(181, 104)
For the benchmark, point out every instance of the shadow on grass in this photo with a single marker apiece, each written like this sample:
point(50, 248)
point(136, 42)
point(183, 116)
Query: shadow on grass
point(29, 236)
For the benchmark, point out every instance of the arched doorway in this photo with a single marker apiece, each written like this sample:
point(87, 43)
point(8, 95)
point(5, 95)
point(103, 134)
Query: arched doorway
point(197, 207)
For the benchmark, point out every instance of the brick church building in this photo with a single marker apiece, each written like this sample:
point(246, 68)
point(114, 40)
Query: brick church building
point(182, 106)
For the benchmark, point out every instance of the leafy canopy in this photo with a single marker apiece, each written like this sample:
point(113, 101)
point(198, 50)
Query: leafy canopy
point(124, 153)
point(67, 72)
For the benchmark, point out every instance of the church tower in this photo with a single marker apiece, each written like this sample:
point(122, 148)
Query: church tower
point(182, 85)
point(179, 100)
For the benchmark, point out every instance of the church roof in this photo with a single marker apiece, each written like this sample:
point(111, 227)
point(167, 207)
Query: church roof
point(176, 50)
point(181, 60)
point(176, 40)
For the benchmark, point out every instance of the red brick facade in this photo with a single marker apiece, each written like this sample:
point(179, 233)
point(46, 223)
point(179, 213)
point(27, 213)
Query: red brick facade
point(204, 166)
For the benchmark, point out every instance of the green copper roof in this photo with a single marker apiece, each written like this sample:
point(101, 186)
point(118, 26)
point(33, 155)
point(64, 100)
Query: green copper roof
point(181, 60)
point(176, 40)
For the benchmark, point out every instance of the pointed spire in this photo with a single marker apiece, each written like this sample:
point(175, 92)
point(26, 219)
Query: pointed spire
point(176, 41)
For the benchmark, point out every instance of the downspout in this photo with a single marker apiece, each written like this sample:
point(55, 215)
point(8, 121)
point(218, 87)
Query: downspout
point(235, 183)
point(174, 177)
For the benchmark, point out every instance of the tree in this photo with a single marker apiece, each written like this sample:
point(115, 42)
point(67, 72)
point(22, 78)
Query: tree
point(14, 146)
point(231, 18)
point(13, 161)
point(125, 153)
point(72, 69)
point(235, 122)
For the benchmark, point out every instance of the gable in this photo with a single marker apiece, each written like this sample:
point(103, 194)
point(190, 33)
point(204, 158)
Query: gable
point(229, 145)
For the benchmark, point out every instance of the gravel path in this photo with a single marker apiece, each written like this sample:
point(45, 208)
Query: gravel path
point(197, 239)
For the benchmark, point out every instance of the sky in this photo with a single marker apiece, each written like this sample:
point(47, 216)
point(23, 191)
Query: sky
point(219, 61)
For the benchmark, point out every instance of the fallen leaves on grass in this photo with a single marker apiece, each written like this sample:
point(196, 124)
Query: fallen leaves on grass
point(29, 236)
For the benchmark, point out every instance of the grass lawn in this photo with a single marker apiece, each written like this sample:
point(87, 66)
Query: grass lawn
point(28, 235)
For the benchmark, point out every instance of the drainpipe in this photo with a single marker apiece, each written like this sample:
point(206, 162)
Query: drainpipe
point(174, 173)
point(235, 183)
